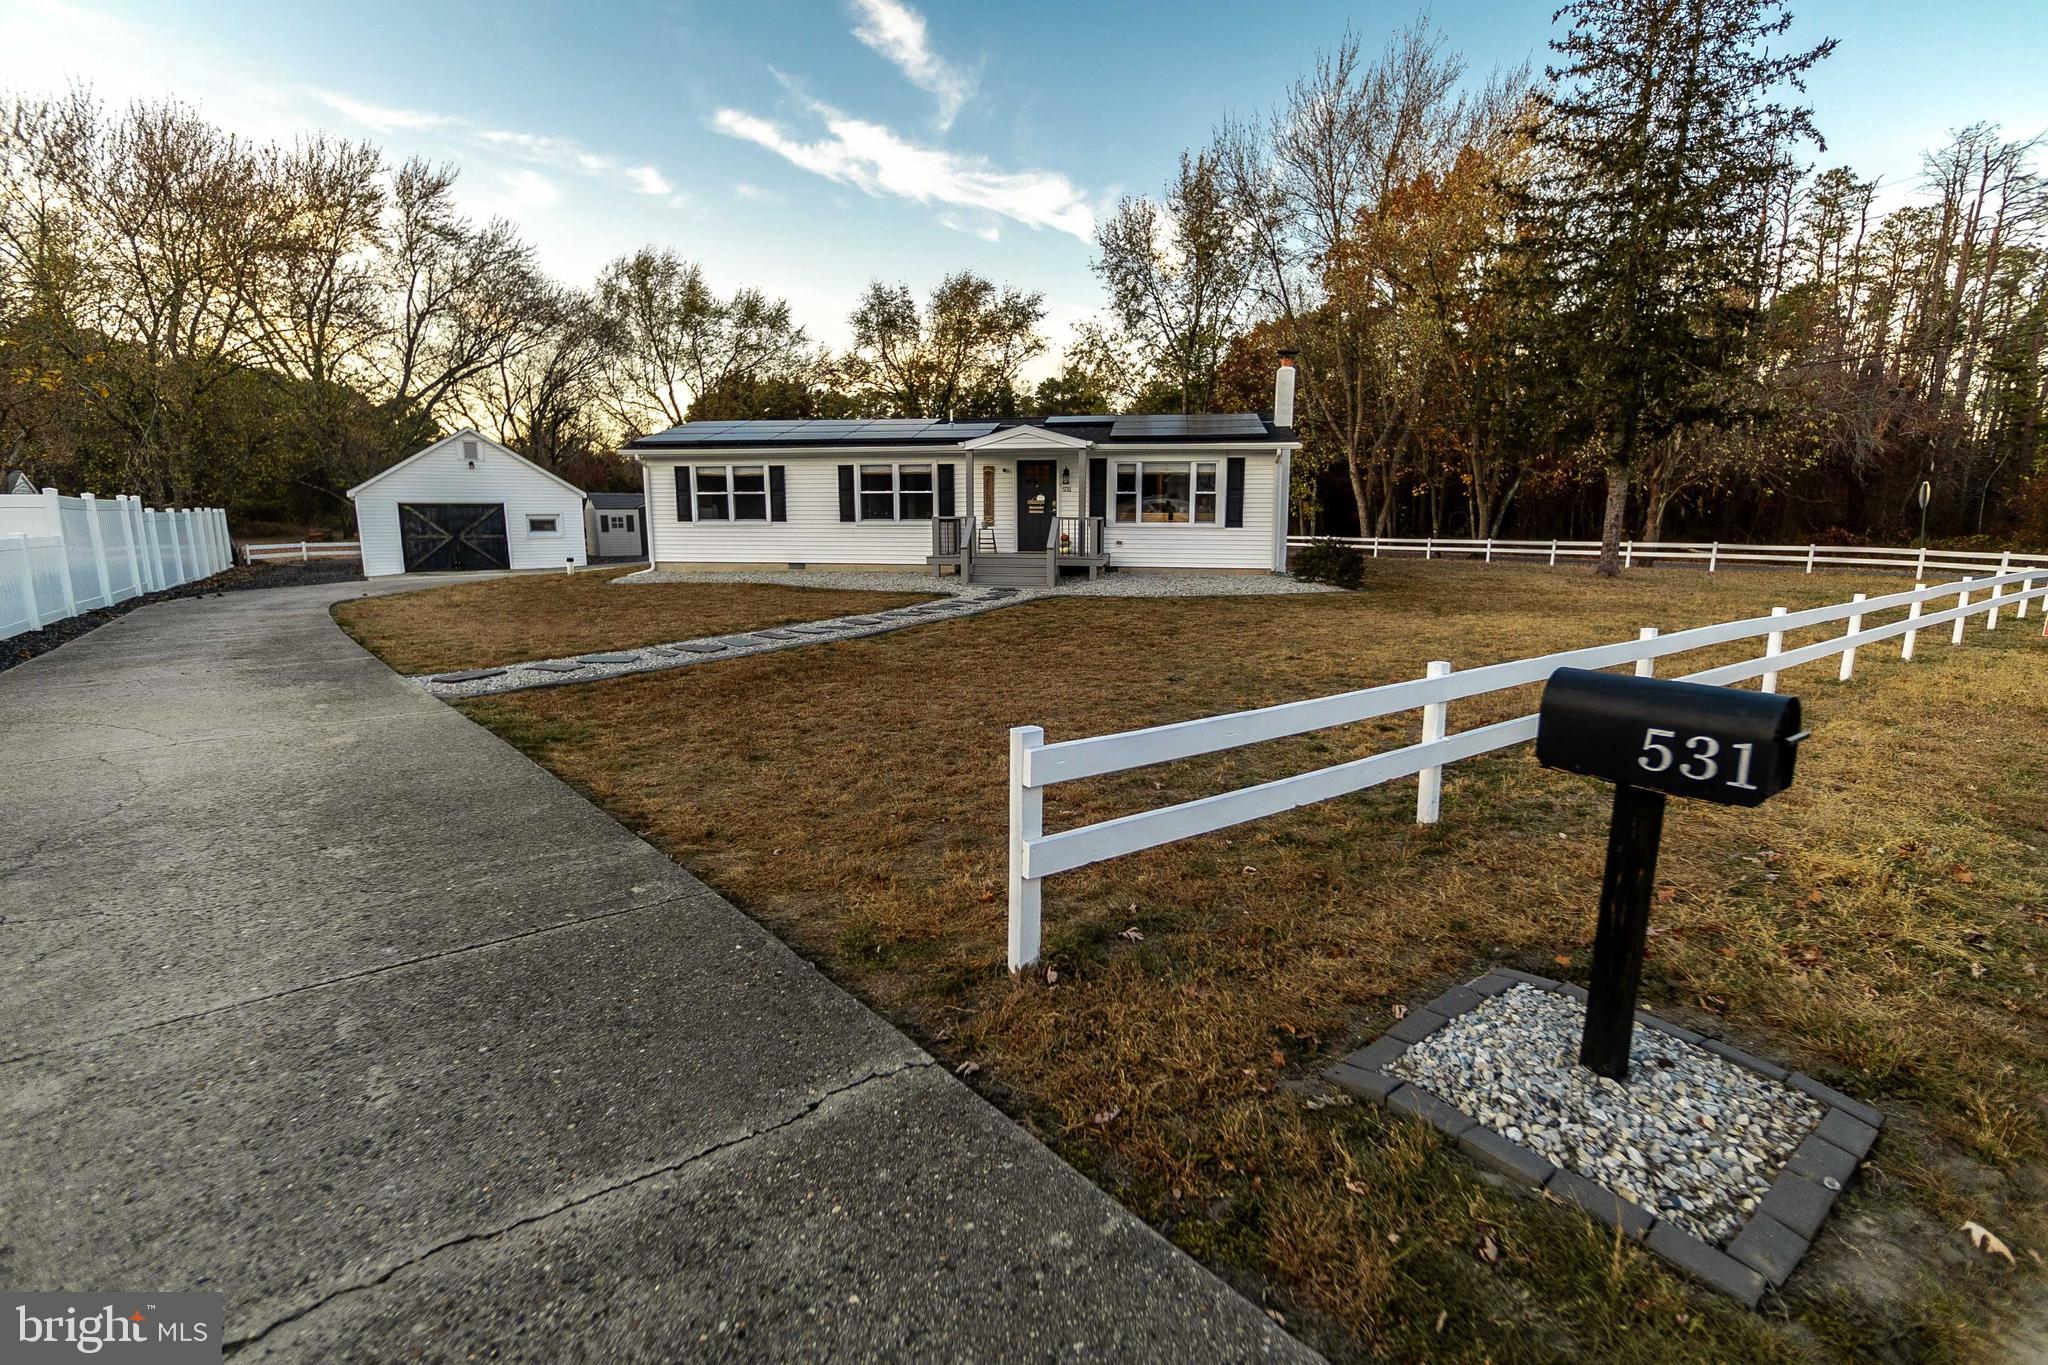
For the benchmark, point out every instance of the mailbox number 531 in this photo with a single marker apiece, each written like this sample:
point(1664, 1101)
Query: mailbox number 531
point(1698, 757)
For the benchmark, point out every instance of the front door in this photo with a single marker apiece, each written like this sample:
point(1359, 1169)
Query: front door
point(1036, 509)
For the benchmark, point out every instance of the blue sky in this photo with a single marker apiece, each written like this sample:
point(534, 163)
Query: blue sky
point(808, 147)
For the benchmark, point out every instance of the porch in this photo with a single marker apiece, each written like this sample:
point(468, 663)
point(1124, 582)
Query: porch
point(970, 546)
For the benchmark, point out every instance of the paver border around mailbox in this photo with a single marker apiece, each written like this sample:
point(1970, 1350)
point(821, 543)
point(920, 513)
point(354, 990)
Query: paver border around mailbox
point(1769, 1244)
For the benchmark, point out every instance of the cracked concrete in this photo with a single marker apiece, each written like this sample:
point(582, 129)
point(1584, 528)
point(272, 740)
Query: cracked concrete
point(315, 993)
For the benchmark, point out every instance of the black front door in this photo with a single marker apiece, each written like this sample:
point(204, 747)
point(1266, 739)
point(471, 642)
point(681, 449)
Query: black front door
point(1036, 509)
point(450, 535)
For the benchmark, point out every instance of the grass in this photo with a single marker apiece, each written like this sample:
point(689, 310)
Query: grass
point(538, 616)
point(1877, 925)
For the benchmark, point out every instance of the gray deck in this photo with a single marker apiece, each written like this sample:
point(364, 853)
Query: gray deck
point(317, 994)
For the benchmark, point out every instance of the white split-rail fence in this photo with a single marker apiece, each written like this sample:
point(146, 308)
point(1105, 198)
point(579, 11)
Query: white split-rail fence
point(1710, 555)
point(63, 556)
point(1036, 765)
point(301, 551)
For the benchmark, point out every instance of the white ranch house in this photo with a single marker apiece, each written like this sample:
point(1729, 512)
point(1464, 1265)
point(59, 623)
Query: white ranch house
point(466, 503)
point(996, 501)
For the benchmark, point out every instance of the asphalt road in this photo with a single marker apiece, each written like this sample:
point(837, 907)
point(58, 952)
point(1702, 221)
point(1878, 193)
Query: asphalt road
point(315, 993)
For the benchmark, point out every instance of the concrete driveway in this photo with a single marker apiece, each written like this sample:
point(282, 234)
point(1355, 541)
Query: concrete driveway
point(314, 993)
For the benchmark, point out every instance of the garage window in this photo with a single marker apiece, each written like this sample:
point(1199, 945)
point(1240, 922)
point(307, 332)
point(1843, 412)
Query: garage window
point(543, 526)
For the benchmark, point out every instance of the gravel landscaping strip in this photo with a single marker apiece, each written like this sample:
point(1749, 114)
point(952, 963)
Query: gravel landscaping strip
point(1691, 1137)
point(1723, 1164)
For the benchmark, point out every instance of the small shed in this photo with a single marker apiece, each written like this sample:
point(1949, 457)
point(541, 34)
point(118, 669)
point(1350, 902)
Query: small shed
point(617, 525)
point(467, 503)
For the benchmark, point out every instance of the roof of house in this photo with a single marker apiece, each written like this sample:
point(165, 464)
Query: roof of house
point(1207, 428)
point(472, 434)
point(616, 502)
point(17, 481)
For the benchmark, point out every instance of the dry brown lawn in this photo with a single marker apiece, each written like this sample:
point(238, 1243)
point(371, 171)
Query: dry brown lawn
point(1878, 925)
point(538, 616)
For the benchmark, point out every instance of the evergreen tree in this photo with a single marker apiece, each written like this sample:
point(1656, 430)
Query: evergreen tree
point(1667, 131)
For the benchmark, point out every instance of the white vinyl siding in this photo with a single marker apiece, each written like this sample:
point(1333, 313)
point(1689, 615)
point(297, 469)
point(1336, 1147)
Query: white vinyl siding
point(813, 534)
point(499, 478)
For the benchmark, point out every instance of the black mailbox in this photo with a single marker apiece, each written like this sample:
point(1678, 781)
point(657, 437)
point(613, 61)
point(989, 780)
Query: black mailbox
point(1683, 739)
point(1651, 739)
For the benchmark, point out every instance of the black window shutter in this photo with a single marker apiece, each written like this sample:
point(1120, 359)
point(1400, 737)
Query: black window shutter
point(846, 492)
point(1098, 488)
point(778, 494)
point(1233, 492)
point(945, 490)
point(684, 502)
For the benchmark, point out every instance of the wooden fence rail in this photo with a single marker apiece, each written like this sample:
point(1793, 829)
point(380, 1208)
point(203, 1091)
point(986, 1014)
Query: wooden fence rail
point(1035, 765)
point(1707, 554)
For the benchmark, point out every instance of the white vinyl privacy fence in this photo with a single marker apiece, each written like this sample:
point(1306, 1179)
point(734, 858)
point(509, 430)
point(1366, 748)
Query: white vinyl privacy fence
point(61, 556)
point(1036, 765)
point(1710, 555)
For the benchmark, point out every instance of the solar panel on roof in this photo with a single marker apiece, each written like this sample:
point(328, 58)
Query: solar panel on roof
point(962, 431)
point(1078, 419)
point(1190, 424)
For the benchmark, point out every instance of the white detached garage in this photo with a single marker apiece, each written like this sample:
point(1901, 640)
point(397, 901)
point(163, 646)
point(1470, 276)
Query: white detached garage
point(467, 503)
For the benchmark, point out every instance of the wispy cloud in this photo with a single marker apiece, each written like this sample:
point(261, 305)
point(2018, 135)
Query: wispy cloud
point(756, 193)
point(879, 161)
point(540, 149)
point(899, 34)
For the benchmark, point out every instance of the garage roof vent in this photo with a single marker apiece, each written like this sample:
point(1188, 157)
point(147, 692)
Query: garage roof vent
point(469, 453)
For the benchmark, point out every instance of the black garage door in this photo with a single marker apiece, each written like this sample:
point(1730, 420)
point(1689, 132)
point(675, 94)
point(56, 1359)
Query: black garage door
point(453, 535)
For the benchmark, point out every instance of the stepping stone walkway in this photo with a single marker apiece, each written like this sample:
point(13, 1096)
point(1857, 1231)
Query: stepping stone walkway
point(582, 668)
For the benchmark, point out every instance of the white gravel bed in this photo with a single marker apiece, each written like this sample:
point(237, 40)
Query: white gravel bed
point(1690, 1136)
point(1125, 583)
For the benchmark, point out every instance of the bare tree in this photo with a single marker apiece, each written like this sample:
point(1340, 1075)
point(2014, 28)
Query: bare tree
point(959, 356)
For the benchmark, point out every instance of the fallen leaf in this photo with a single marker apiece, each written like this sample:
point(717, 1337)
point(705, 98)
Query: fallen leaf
point(1488, 1250)
point(1393, 1239)
point(1976, 970)
point(1051, 976)
point(1963, 874)
point(1132, 934)
point(1563, 959)
point(1443, 1316)
point(1251, 872)
point(1279, 1058)
point(1356, 1186)
point(1400, 1011)
point(966, 1068)
point(1726, 950)
point(1277, 1316)
point(1814, 899)
point(1666, 894)
point(1986, 1241)
point(1107, 1116)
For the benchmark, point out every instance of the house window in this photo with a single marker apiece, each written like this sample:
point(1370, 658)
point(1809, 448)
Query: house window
point(750, 492)
point(1166, 493)
point(543, 526)
point(727, 493)
point(714, 493)
point(896, 492)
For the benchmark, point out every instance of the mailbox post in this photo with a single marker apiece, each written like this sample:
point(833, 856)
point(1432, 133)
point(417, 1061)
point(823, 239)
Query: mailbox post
point(1653, 738)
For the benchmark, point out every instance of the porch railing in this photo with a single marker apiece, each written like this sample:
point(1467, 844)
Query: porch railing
point(951, 536)
point(1077, 537)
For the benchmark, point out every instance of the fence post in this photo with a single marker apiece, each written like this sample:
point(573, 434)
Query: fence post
point(1375, 547)
point(135, 582)
point(2004, 568)
point(1912, 614)
point(1027, 822)
point(99, 547)
point(28, 580)
point(1714, 557)
point(1553, 554)
point(56, 505)
point(1628, 554)
point(1429, 784)
point(2026, 586)
point(1774, 645)
point(305, 552)
point(1646, 668)
point(1428, 546)
point(1810, 550)
point(1962, 601)
point(1489, 549)
point(1920, 568)
point(1849, 654)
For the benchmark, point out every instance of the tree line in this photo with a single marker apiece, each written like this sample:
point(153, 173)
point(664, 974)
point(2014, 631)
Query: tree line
point(1618, 297)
